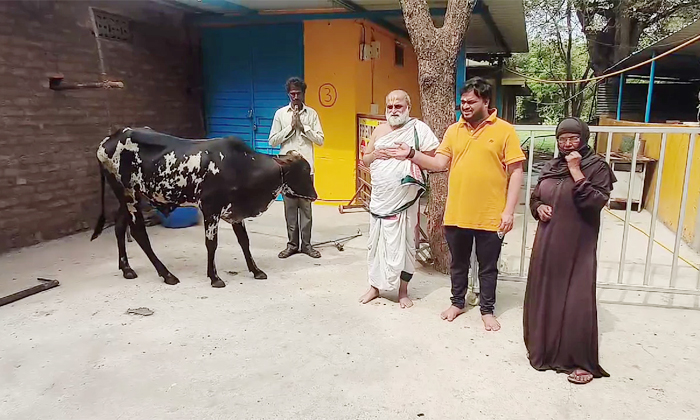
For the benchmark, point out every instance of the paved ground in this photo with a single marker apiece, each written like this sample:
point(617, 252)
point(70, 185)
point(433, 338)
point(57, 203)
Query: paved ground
point(298, 345)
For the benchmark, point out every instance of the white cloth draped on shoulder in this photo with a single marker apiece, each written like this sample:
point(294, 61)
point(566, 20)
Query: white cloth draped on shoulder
point(397, 185)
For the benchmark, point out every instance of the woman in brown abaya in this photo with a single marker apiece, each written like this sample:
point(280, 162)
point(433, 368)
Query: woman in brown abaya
point(560, 317)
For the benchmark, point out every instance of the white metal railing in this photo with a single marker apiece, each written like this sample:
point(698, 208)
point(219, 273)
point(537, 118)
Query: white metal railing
point(664, 131)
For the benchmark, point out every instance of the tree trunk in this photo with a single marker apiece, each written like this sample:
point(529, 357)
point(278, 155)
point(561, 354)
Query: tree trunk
point(437, 50)
point(438, 105)
point(619, 36)
point(569, 65)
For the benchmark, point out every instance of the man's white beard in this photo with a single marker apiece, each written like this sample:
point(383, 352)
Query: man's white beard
point(397, 120)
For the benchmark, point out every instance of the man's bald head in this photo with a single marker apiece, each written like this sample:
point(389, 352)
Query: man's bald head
point(398, 96)
point(398, 106)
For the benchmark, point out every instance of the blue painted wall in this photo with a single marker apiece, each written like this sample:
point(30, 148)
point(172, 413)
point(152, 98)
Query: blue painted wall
point(245, 68)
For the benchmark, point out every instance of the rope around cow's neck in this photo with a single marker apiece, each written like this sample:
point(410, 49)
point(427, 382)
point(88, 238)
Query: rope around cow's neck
point(286, 190)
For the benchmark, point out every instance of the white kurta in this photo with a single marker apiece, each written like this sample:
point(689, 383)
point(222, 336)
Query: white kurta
point(396, 188)
point(289, 139)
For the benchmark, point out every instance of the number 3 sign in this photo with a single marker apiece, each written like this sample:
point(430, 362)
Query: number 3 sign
point(327, 95)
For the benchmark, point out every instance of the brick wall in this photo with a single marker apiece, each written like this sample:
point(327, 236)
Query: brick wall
point(49, 183)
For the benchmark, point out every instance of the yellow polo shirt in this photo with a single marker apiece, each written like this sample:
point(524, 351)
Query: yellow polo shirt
point(478, 180)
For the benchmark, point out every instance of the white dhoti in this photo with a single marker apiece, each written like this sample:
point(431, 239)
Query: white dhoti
point(397, 186)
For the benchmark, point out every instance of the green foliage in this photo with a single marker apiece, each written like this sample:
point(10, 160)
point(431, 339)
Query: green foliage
point(544, 62)
point(572, 39)
point(558, 51)
point(617, 28)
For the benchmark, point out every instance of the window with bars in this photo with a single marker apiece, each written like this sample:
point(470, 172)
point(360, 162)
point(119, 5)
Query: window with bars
point(398, 54)
point(112, 26)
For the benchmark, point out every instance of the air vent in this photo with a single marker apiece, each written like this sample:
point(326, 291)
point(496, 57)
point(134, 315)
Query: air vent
point(112, 26)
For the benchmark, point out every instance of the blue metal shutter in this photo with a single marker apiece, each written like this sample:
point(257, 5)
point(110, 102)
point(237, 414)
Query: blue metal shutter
point(245, 69)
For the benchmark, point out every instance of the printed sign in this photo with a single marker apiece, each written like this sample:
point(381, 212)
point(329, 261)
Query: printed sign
point(366, 128)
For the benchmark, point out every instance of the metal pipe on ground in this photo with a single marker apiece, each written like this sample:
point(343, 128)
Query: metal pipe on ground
point(45, 284)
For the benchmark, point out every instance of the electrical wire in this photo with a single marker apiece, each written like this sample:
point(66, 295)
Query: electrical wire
point(668, 44)
point(657, 242)
point(567, 99)
point(615, 73)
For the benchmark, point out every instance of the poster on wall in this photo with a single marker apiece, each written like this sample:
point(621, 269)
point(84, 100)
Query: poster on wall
point(366, 126)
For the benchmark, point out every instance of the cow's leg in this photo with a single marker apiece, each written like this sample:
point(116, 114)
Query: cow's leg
point(138, 230)
point(211, 233)
point(120, 229)
point(244, 242)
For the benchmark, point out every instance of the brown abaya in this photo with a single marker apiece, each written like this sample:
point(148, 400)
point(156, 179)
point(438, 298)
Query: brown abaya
point(560, 316)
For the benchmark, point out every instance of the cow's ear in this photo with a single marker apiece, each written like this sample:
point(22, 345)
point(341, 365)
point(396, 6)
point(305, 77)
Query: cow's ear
point(280, 161)
point(294, 153)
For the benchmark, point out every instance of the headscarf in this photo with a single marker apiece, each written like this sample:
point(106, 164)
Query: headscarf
point(557, 167)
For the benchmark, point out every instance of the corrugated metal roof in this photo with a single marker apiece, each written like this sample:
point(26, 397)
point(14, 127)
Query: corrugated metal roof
point(683, 65)
point(508, 16)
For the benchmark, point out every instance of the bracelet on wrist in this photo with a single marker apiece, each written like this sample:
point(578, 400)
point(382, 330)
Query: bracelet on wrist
point(411, 153)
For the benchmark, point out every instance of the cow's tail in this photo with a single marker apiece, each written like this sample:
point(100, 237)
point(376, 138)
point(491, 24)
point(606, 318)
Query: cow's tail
point(101, 220)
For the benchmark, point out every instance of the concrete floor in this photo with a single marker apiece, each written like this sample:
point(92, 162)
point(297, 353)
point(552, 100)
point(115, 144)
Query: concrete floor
point(299, 345)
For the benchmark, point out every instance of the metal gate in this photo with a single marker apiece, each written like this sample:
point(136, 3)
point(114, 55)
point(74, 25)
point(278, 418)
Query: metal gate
point(666, 185)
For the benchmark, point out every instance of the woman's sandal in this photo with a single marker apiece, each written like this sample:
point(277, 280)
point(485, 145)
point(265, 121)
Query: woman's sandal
point(579, 377)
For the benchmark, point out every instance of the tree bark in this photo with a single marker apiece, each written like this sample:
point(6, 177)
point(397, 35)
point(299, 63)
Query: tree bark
point(437, 50)
point(623, 22)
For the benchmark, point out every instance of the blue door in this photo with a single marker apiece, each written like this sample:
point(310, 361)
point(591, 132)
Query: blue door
point(245, 68)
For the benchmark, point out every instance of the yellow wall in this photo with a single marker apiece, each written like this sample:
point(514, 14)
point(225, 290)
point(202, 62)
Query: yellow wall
point(329, 58)
point(672, 177)
point(331, 55)
point(376, 78)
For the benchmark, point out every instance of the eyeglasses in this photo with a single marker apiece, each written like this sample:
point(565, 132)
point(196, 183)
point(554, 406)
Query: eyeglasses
point(572, 139)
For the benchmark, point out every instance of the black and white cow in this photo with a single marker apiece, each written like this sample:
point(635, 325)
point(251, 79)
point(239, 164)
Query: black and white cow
point(223, 177)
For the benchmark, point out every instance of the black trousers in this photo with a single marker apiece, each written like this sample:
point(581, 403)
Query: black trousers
point(488, 249)
point(297, 212)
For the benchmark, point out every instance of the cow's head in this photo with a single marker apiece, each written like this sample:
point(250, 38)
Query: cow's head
point(296, 175)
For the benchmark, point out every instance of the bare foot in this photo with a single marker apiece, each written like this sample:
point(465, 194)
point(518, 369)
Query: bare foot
point(405, 302)
point(451, 313)
point(371, 294)
point(490, 322)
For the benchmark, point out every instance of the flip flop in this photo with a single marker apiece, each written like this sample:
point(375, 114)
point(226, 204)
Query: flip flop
point(574, 378)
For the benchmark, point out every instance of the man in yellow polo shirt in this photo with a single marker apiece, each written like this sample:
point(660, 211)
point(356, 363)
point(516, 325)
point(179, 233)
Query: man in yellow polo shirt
point(483, 154)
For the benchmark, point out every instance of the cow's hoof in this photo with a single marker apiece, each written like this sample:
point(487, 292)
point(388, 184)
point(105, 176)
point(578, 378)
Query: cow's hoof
point(260, 275)
point(218, 283)
point(170, 279)
point(129, 274)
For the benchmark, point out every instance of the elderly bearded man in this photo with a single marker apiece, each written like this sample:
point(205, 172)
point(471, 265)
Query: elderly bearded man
point(397, 186)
